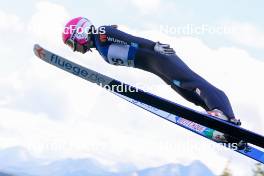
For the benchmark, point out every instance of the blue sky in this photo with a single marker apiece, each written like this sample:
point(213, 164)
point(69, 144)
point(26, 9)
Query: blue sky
point(167, 12)
point(209, 11)
point(39, 104)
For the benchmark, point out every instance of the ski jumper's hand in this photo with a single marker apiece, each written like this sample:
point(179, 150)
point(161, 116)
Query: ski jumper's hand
point(114, 26)
point(163, 49)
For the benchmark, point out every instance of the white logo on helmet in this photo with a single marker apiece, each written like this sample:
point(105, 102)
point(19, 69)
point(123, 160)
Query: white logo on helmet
point(81, 36)
point(81, 30)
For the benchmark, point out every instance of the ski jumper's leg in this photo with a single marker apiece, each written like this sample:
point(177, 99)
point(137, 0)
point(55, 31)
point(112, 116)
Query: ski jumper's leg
point(183, 80)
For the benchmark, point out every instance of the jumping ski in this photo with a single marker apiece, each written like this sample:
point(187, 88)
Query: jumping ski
point(199, 123)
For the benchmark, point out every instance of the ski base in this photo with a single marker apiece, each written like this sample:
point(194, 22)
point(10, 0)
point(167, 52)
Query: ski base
point(201, 130)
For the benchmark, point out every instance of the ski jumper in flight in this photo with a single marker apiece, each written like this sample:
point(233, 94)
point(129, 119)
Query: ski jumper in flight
point(120, 48)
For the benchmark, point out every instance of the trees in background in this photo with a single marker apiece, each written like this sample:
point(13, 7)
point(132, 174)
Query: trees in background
point(258, 170)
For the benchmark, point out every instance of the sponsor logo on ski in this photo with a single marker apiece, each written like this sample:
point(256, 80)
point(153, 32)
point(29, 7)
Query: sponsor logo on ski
point(192, 125)
point(77, 70)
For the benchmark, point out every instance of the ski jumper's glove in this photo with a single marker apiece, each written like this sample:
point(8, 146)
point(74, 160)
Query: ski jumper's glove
point(114, 26)
point(163, 49)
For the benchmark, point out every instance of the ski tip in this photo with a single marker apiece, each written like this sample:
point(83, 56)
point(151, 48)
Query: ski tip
point(39, 51)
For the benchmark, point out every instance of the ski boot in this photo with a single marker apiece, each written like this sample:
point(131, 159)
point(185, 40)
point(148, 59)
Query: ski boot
point(219, 114)
point(227, 139)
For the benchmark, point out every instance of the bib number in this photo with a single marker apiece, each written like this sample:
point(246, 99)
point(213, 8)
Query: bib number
point(117, 61)
point(118, 55)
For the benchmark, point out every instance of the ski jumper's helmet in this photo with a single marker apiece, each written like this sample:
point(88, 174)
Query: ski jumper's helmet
point(77, 30)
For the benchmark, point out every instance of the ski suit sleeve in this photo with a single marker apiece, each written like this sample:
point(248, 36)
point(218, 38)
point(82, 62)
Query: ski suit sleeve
point(114, 35)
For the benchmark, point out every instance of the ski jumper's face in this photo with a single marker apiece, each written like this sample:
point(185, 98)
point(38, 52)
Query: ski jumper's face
point(78, 47)
point(81, 48)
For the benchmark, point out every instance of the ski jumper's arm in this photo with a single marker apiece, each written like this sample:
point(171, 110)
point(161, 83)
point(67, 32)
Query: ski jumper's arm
point(115, 36)
point(119, 48)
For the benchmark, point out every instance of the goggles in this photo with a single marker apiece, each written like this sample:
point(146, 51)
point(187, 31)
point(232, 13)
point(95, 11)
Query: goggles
point(71, 43)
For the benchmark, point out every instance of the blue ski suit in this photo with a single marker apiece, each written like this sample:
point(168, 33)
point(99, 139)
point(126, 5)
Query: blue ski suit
point(120, 48)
